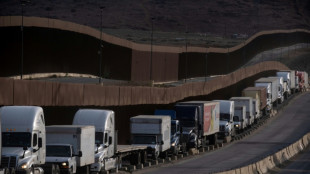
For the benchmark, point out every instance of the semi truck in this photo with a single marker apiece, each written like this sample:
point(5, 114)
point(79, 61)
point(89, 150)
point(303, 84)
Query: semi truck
point(227, 130)
point(280, 88)
point(108, 154)
point(23, 138)
point(152, 131)
point(199, 121)
point(68, 149)
point(4, 169)
point(248, 103)
point(177, 141)
point(240, 118)
point(272, 86)
point(302, 80)
point(289, 78)
point(258, 93)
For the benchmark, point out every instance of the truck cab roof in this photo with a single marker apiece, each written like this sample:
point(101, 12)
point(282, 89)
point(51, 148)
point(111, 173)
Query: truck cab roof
point(101, 119)
point(21, 118)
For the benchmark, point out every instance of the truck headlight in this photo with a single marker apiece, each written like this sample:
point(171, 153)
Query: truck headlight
point(237, 125)
point(173, 144)
point(64, 165)
point(24, 166)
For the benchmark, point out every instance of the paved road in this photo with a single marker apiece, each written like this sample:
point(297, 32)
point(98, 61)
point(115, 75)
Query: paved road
point(287, 127)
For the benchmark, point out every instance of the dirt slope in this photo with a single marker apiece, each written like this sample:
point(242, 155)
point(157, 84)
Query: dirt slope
point(217, 17)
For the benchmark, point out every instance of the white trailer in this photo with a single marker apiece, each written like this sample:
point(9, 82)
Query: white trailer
point(65, 137)
point(280, 88)
point(248, 103)
point(23, 138)
point(152, 131)
point(227, 109)
point(274, 88)
point(108, 155)
point(240, 118)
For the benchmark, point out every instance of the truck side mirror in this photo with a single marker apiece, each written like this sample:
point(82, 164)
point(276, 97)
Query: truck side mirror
point(162, 142)
point(110, 140)
point(25, 148)
point(40, 143)
point(80, 154)
point(181, 129)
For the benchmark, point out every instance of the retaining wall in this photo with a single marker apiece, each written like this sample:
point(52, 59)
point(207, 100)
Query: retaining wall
point(271, 161)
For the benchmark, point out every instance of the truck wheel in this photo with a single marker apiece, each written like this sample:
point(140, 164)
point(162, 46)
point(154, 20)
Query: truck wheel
point(6, 171)
point(164, 154)
point(31, 170)
point(176, 151)
point(70, 171)
point(143, 157)
point(155, 155)
point(135, 159)
point(53, 169)
point(57, 170)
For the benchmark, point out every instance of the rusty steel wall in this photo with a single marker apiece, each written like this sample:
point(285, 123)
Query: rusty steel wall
point(52, 51)
point(164, 66)
point(48, 50)
point(33, 92)
point(193, 64)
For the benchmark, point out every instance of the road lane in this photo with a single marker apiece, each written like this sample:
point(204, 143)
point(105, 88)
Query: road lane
point(287, 127)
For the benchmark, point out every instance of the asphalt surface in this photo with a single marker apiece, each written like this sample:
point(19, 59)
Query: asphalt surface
point(285, 128)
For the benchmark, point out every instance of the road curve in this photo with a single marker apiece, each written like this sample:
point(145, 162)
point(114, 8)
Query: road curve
point(280, 131)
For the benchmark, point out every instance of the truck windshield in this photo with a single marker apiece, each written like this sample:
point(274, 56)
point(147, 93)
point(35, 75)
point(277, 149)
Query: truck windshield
point(235, 118)
point(225, 117)
point(16, 139)
point(144, 140)
point(58, 151)
point(99, 138)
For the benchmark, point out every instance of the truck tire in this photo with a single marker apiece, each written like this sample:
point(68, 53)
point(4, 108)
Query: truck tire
point(155, 155)
point(164, 154)
point(143, 156)
point(135, 159)
point(70, 171)
point(57, 169)
point(53, 169)
point(31, 170)
point(7, 171)
point(213, 139)
point(83, 170)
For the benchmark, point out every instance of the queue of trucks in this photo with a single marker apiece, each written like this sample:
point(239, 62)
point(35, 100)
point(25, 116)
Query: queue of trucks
point(89, 144)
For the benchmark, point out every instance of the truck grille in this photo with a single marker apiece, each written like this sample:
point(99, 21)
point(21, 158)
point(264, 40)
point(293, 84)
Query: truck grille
point(222, 128)
point(8, 161)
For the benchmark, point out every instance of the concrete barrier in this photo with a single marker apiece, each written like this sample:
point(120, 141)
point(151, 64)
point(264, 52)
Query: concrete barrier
point(270, 162)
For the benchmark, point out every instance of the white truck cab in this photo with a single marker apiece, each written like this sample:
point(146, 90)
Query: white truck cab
point(105, 144)
point(63, 155)
point(23, 138)
point(227, 128)
point(240, 118)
